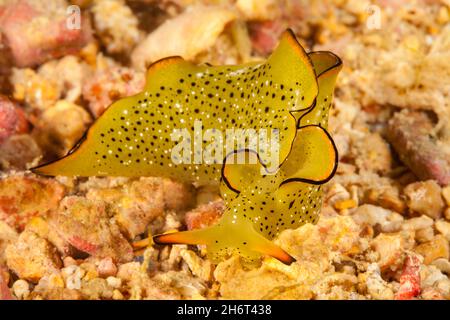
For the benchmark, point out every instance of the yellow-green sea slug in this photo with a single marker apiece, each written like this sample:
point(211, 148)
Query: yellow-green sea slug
point(289, 94)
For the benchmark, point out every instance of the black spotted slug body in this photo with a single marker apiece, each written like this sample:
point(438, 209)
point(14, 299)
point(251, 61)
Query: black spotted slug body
point(290, 92)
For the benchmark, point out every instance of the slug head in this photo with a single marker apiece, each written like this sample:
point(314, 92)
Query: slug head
point(260, 204)
point(327, 67)
point(289, 197)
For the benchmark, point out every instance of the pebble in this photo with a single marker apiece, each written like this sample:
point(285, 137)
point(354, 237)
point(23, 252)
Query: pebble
point(432, 250)
point(442, 264)
point(114, 282)
point(418, 223)
point(73, 282)
point(424, 235)
point(447, 213)
point(117, 295)
point(21, 289)
point(106, 268)
point(69, 261)
point(425, 198)
point(444, 228)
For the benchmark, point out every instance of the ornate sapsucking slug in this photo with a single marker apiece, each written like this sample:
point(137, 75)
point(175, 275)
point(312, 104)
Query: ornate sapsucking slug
point(288, 95)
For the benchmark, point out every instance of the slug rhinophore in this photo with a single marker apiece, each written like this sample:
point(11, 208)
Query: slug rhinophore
point(288, 95)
